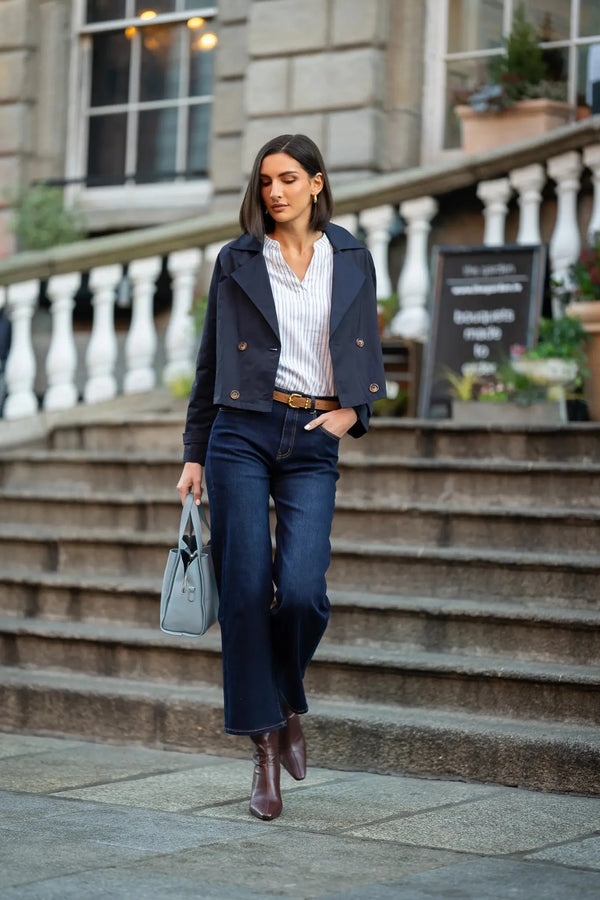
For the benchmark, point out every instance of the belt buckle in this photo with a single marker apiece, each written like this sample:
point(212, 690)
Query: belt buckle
point(305, 404)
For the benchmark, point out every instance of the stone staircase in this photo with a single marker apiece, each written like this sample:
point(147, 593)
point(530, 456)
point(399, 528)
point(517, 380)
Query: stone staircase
point(464, 637)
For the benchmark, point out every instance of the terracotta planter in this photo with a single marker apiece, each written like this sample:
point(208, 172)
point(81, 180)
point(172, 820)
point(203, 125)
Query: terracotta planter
point(588, 311)
point(524, 119)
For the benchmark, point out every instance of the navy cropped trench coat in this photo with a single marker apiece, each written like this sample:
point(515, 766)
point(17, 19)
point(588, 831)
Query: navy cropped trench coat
point(240, 346)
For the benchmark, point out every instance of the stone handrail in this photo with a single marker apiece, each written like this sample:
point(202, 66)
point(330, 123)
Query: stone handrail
point(191, 246)
point(377, 191)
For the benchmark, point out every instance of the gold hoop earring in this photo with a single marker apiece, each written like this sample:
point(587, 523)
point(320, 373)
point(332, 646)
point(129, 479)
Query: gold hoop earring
point(315, 198)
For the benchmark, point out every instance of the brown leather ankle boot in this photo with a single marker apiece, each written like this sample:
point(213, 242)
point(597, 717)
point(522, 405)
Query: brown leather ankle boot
point(292, 746)
point(265, 801)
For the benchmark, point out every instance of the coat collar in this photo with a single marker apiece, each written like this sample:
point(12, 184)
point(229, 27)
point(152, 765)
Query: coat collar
point(348, 278)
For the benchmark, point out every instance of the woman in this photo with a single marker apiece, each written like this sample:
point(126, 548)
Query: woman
point(289, 361)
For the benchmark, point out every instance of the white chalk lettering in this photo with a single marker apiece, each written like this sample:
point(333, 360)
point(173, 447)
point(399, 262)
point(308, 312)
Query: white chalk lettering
point(500, 316)
point(489, 333)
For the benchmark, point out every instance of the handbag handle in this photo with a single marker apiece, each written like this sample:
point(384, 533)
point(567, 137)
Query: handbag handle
point(195, 513)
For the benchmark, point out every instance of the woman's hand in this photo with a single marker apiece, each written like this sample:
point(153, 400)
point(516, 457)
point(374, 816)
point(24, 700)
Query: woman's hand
point(337, 421)
point(191, 480)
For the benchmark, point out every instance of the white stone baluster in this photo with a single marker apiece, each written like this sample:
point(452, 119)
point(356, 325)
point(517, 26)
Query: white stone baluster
point(412, 319)
point(179, 338)
point(529, 182)
point(101, 354)
point(140, 345)
point(349, 221)
point(495, 196)
point(565, 243)
point(591, 158)
point(377, 223)
point(20, 366)
point(62, 355)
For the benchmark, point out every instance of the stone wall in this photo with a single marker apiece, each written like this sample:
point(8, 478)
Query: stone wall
point(34, 56)
point(346, 72)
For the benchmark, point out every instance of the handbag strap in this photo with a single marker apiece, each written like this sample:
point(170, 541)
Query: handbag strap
point(195, 513)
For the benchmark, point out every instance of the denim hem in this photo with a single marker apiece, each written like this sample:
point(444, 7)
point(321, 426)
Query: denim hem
point(250, 731)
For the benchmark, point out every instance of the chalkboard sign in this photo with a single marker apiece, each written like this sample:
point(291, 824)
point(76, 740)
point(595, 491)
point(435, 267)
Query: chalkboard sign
point(484, 300)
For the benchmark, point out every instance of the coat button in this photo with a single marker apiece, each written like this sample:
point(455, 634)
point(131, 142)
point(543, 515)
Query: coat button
point(373, 388)
point(242, 345)
point(235, 395)
point(359, 342)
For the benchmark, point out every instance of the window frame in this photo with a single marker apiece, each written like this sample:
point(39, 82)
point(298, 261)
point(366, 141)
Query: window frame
point(436, 58)
point(131, 203)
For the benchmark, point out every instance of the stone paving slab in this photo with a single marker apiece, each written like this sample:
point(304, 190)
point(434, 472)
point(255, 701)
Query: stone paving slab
point(512, 821)
point(100, 821)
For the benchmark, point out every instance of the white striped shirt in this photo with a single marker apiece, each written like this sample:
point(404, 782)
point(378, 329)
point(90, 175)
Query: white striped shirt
point(303, 311)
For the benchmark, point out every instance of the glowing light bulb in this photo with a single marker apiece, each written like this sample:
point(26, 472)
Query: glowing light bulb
point(148, 14)
point(129, 32)
point(207, 41)
point(195, 22)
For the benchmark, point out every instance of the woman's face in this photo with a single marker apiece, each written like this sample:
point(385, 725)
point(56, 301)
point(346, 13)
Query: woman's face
point(287, 189)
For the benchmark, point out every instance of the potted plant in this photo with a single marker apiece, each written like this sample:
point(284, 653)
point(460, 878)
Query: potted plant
point(41, 220)
point(532, 386)
point(584, 304)
point(519, 100)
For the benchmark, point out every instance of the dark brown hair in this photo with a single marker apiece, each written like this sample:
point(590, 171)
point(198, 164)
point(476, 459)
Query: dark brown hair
point(254, 218)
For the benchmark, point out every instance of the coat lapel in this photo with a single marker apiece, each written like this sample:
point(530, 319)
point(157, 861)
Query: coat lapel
point(347, 282)
point(253, 278)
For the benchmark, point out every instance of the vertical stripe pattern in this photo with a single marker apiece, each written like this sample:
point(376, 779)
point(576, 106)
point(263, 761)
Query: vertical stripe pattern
point(303, 312)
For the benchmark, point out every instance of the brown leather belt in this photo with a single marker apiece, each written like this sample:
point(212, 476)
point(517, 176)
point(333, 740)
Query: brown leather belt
point(299, 401)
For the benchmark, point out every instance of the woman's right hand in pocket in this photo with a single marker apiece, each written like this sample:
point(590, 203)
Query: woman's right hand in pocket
point(191, 481)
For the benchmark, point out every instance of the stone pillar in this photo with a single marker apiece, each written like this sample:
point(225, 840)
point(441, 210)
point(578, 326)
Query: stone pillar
point(591, 158)
point(412, 319)
point(20, 367)
point(62, 355)
point(495, 196)
point(140, 345)
point(529, 182)
point(101, 354)
point(377, 223)
point(565, 243)
point(179, 338)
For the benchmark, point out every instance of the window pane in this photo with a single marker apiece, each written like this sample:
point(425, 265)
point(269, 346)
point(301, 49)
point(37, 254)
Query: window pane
point(461, 77)
point(474, 24)
point(198, 140)
point(161, 56)
point(157, 141)
point(156, 6)
point(589, 18)
point(110, 68)
point(551, 18)
point(106, 149)
point(201, 65)
point(103, 10)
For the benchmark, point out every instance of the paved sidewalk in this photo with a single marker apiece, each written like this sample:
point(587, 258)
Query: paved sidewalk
point(84, 821)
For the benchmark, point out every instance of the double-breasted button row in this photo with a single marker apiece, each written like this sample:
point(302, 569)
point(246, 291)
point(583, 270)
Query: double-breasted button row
point(235, 395)
point(359, 342)
point(242, 345)
point(373, 388)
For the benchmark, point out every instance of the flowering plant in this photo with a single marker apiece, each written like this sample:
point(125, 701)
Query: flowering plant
point(585, 273)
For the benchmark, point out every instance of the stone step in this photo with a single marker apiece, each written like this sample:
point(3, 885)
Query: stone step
point(418, 523)
point(370, 565)
point(460, 626)
point(498, 685)
point(562, 579)
point(148, 431)
point(356, 736)
point(473, 482)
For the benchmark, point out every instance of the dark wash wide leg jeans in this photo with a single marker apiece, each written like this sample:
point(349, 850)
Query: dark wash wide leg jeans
point(274, 607)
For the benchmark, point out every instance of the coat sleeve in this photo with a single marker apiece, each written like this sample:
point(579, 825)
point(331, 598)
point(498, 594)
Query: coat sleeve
point(201, 409)
point(364, 411)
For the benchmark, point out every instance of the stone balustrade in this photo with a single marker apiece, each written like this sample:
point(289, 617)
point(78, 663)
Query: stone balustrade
point(374, 209)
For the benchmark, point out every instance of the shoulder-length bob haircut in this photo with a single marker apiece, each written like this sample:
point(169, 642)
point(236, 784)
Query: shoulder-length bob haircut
point(254, 218)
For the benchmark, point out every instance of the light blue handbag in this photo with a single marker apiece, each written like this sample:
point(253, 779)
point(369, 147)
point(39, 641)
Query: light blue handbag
point(189, 601)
